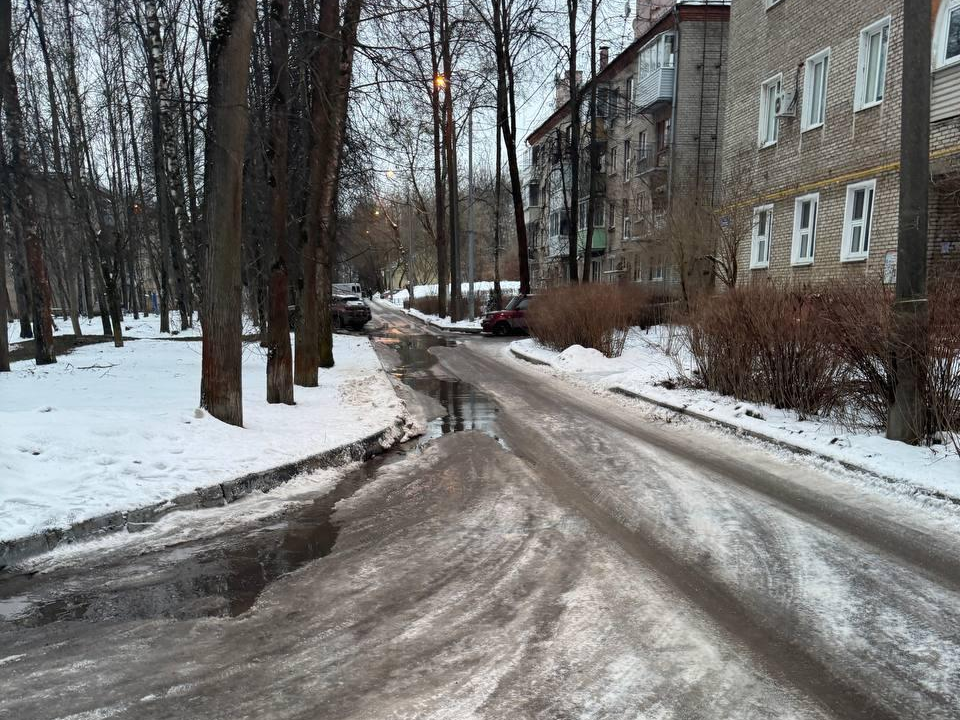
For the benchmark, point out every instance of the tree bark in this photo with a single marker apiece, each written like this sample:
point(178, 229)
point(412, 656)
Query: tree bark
point(443, 266)
point(228, 71)
point(453, 188)
point(574, 148)
point(279, 353)
point(24, 208)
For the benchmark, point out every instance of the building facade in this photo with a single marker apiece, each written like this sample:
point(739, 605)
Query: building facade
point(811, 138)
point(659, 120)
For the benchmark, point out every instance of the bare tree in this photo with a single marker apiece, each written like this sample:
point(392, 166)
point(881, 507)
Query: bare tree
point(227, 73)
point(24, 211)
point(279, 354)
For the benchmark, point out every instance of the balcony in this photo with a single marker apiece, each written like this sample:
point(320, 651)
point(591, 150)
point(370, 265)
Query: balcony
point(598, 243)
point(653, 161)
point(558, 246)
point(655, 90)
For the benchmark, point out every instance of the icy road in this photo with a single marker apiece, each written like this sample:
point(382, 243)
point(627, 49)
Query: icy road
point(542, 553)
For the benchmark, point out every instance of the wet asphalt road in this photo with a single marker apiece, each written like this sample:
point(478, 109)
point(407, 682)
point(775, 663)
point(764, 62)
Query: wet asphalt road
point(540, 553)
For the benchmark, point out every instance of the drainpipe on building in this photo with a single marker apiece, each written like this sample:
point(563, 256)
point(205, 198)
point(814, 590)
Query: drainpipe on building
point(673, 106)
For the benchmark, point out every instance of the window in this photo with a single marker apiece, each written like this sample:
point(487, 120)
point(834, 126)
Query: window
point(642, 151)
point(612, 215)
point(762, 234)
point(613, 160)
point(637, 270)
point(815, 90)
point(627, 227)
point(769, 126)
point(629, 98)
point(656, 270)
point(663, 135)
point(948, 34)
point(596, 273)
point(857, 220)
point(656, 55)
point(872, 68)
point(555, 224)
point(627, 160)
point(582, 216)
point(598, 208)
point(804, 229)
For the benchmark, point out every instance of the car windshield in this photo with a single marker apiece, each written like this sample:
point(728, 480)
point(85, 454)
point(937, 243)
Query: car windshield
point(512, 305)
point(518, 302)
point(351, 298)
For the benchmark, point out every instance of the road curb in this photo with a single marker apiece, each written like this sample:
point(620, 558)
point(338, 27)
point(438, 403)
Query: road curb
point(763, 437)
point(223, 493)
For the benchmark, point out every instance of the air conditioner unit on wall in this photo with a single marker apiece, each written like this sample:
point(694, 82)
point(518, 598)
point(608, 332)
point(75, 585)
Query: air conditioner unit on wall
point(785, 105)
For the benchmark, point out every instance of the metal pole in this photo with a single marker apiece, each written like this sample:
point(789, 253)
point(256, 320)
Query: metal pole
point(471, 238)
point(905, 422)
point(410, 273)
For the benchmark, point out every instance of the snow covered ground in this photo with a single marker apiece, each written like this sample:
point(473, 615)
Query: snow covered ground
point(144, 327)
point(109, 428)
point(645, 368)
point(507, 286)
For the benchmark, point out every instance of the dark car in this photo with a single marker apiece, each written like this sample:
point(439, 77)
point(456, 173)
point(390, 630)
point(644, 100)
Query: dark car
point(349, 311)
point(512, 319)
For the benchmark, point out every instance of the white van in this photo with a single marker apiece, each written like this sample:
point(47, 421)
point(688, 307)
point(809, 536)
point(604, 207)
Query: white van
point(348, 289)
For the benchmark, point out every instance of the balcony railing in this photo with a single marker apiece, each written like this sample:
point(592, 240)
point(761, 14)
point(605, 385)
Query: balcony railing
point(651, 157)
point(654, 89)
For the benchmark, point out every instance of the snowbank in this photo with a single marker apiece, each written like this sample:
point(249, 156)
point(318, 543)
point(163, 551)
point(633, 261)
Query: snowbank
point(109, 429)
point(507, 286)
point(646, 370)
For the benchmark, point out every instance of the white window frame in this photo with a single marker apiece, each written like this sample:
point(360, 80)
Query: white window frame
point(656, 270)
point(866, 97)
point(627, 228)
point(627, 159)
point(795, 257)
point(866, 236)
point(612, 216)
point(941, 30)
point(755, 262)
point(807, 121)
point(629, 91)
point(768, 111)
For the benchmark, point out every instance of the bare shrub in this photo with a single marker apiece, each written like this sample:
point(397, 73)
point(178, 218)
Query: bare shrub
point(765, 343)
point(942, 386)
point(594, 315)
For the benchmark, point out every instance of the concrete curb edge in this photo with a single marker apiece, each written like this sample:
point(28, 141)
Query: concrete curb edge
point(798, 449)
point(223, 493)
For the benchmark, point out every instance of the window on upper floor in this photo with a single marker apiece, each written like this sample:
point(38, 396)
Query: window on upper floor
point(762, 234)
point(815, 90)
point(658, 54)
point(627, 159)
point(613, 160)
point(663, 135)
point(804, 229)
point(946, 39)
point(857, 221)
point(628, 99)
point(612, 215)
point(769, 125)
point(872, 66)
point(627, 227)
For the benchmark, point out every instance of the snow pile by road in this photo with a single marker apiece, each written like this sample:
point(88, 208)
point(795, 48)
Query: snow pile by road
point(645, 369)
point(507, 286)
point(110, 429)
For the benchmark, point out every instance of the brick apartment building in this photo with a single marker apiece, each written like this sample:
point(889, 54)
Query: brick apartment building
point(660, 107)
point(811, 138)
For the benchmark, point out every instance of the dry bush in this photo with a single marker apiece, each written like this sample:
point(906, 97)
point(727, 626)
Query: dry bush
point(827, 350)
point(765, 344)
point(594, 315)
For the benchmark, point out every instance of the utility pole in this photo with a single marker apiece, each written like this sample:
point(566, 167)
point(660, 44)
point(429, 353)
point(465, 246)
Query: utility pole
point(906, 419)
point(471, 237)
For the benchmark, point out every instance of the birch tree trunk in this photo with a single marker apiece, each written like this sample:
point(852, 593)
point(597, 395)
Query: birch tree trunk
point(231, 37)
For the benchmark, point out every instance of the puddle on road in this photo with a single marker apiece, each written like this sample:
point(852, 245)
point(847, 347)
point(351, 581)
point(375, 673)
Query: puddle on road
point(225, 575)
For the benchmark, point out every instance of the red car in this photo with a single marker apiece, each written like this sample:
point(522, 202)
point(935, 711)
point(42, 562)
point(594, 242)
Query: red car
point(513, 318)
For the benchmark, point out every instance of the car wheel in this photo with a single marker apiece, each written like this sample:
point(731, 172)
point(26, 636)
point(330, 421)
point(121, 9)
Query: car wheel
point(501, 329)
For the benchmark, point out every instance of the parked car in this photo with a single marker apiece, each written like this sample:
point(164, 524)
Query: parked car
point(512, 319)
point(349, 311)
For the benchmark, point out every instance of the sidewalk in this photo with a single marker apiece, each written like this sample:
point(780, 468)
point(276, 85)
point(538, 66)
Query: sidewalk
point(111, 438)
point(644, 372)
point(434, 321)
